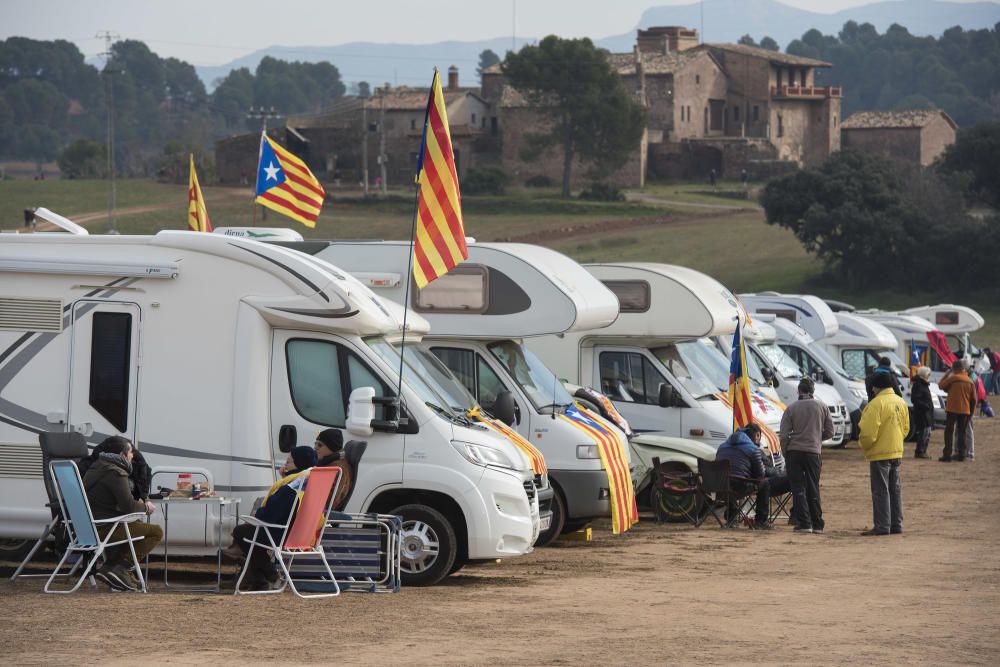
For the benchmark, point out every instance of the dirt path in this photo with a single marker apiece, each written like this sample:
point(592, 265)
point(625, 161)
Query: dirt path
point(655, 199)
point(660, 594)
point(605, 227)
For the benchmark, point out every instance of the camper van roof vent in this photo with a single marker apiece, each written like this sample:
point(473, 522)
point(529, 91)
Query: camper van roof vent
point(19, 314)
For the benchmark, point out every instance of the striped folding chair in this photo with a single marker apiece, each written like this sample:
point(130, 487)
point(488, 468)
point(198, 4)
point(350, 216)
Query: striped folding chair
point(300, 536)
point(82, 527)
point(363, 550)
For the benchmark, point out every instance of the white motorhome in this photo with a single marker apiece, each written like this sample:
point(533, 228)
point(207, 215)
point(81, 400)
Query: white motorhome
point(479, 313)
point(218, 353)
point(956, 323)
point(800, 344)
point(768, 363)
point(649, 362)
point(914, 332)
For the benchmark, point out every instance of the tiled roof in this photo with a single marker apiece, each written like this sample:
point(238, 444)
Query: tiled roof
point(869, 120)
point(407, 98)
point(652, 63)
point(773, 56)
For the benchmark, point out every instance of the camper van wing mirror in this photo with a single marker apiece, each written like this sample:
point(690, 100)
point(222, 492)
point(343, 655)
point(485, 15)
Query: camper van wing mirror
point(506, 409)
point(287, 438)
point(770, 376)
point(669, 397)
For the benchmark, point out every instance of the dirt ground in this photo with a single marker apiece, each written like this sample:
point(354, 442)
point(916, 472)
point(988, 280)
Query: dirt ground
point(661, 594)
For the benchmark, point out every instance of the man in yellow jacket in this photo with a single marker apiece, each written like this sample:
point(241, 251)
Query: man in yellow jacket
point(884, 424)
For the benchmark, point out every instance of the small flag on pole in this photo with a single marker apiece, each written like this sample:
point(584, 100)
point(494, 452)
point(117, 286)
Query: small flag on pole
point(285, 184)
point(440, 237)
point(739, 384)
point(197, 213)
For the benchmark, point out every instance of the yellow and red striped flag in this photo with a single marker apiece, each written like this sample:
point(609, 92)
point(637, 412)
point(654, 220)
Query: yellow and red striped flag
point(197, 213)
point(439, 245)
point(739, 384)
point(285, 184)
point(537, 459)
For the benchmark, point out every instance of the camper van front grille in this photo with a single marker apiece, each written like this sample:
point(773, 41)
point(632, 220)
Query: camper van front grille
point(20, 461)
point(18, 314)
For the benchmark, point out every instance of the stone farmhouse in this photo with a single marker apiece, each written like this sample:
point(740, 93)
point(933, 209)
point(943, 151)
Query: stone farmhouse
point(917, 137)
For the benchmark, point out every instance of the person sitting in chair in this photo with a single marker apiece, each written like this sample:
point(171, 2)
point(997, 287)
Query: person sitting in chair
point(275, 508)
point(330, 453)
point(742, 450)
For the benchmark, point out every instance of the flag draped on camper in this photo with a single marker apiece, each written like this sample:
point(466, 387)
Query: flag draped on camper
point(537, 460)
point(624, 512)
point(439, 245)
point(285, 184)
point(740, 393)
point(197, 213)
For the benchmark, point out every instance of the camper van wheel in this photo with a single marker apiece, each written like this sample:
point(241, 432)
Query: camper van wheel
point(574, 525)
point(14, 549)
point(428, 542)
point(558, 519)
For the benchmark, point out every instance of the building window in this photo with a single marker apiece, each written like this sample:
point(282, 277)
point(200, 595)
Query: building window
point(781, 126)
point(413, 124)
point(835, 120)
point(756, 113)
point(473, 120)
point(736, 114)
point(697, 78)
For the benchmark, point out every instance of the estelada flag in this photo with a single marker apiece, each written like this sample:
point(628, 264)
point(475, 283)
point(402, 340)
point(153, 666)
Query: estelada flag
point(739, 384)
point(439, 245)
point(285, 184)
point(197, 213)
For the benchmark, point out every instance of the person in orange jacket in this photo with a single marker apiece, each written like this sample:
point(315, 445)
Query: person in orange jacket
point(959, 409)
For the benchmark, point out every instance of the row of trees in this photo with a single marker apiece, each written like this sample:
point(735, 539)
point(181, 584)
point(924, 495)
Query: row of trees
point(50, 98)
point(878, 224)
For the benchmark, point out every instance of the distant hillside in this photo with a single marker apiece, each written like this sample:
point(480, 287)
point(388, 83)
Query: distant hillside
point(725, 21)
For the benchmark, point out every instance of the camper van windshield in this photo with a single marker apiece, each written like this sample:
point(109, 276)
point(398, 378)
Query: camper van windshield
point(437, 375)
point(539, 384)
point(825, 359)
point(684, 361)
point(415, 380)
point(784, 363)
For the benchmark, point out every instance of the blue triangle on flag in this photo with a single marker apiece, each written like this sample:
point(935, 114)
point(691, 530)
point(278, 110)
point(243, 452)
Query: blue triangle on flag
point(269, 171)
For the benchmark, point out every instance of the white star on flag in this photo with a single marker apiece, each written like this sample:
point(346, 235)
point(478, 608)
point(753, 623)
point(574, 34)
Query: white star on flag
point(272, 171)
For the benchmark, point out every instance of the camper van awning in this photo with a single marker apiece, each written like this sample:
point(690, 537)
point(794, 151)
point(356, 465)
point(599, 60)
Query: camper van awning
point(83, 267)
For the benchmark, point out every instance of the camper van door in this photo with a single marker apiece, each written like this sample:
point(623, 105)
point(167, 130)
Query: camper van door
point(104, 369)
point(312, 376)
point(631, 378)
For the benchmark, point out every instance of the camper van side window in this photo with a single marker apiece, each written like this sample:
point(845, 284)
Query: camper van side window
point(489, 385)
point(110, 357)
point(629, 377)
point(315, 381)
point(362, 376)
point(633, 295)
point(946, 317)
point(853, 362)
point(464, 289)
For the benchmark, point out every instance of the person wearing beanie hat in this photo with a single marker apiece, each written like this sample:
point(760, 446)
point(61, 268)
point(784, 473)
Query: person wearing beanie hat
point(959, 408)
point(804, 426)
point(923, 410)
point(884, 368)
point(884, 423)
point(330, 450)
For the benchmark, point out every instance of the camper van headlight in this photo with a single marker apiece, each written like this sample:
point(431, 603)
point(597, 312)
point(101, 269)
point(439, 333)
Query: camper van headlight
point(485, 456)
point(859, 393)
point(587, 452)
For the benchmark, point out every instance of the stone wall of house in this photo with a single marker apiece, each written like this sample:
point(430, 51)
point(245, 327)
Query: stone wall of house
point(695, 84)
point(935, 137)
point(902, 143)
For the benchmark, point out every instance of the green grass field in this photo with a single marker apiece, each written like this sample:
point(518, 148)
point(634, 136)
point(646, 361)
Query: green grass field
point(735, 246)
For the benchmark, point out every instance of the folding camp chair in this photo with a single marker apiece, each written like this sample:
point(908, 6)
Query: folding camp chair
point(55, 447)
point(81, 525)
point(675, 494)
point(300, 535)
point(734, 494)
point(779, 507)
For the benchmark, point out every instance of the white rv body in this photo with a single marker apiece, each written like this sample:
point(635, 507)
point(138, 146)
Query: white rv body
point(479, 314)
point(767, 362)
point(663, 311)
point(809, 312)
point(908, 329)
point(208, 346)
point(956, 323)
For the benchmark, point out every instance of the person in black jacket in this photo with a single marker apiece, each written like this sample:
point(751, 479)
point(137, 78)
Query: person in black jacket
point(742, 450)
point(923, 410)
point(884, 366)
point(138, 479)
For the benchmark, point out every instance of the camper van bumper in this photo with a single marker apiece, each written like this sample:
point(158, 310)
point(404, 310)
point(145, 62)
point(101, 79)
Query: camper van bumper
point(511, 517)
point(586, 491)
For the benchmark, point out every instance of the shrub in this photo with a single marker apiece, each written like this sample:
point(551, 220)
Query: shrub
point(483, 181)
point(538, 181)
point(602, 192)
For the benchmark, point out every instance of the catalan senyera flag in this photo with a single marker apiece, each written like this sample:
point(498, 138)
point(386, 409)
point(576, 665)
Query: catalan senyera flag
point(740, 393)
point(624, 512)
point(537, 460)
point(285, 184)
point(439, 245)
point(197, 213)
point(767, 434)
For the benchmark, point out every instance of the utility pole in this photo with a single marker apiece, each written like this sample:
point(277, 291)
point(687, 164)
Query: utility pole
point(109, 71)
point(381, 141)
point(262, 114)
point(364, 143)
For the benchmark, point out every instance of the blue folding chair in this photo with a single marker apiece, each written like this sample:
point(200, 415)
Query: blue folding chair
point(363, 550)
point(82, 527)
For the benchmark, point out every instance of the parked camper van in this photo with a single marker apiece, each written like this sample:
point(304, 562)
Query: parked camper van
point(479, 314)
point(914, 332)
point(217, 354)
point(801, 311)
point(768, 364)
point(647, 362)
point(956, 323)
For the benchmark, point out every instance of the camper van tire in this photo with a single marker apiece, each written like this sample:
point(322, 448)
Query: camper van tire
point(14, 548)
point(429, 545)
point(558, 518)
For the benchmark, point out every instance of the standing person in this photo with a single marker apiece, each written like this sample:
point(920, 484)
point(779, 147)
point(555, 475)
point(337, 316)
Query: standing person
point(884, 367)
point(994, 387)
point(711, 177)
point(923, 410)
point(107, 488)
point(884, 424)
point(744, 178)
point(330, 454)
point(959, 409)
point(984, 368)
point(804, 426)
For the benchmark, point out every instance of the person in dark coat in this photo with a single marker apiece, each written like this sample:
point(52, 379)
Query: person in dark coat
point(330, 452)
point(884, 366)
point(742, 450)
point(138, 479)
point(923, 410)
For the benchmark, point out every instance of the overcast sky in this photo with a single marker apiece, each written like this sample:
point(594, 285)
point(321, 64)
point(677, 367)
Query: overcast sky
point(213, 32)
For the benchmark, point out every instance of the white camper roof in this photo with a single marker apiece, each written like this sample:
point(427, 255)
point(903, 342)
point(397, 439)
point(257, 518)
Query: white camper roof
point(807, 311)
point(260, 233)
point(787, 332)
point(901, 324)
point(949, 318)
point(321, 295)
point(759, 330)
point(862, 332)
point(504, 290)
point(667, 301)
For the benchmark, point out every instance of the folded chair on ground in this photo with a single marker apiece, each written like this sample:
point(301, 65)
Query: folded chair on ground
point(55, 447)
point(84, 538)
point(299, 536)
point(675, 494)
